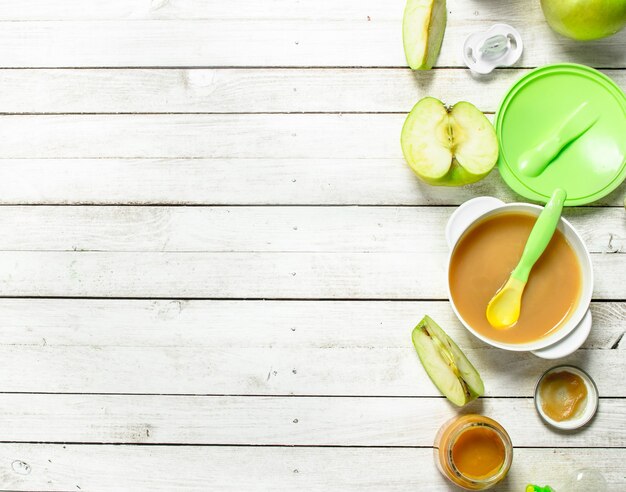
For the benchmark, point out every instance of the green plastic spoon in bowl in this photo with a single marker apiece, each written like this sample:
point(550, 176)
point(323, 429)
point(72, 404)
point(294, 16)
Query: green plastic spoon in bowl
point(503, 310)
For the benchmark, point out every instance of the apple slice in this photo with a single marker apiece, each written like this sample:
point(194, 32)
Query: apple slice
point(423, 25)
point(449, 146)
point(446, 364)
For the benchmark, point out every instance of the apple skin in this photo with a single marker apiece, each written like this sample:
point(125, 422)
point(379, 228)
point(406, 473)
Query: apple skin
point(446, 364)
point(456, 176)
point(585, 20)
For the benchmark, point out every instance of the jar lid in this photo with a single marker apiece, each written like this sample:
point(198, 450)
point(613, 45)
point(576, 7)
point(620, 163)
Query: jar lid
point(589, 166)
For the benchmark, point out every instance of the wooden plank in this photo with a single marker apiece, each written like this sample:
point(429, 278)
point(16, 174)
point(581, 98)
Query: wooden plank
point(263, 348)
point(244, 136)
point(247, 90)
point(280, 37)
point(231, 468)
point(236, 181)
point(336, 325)
point(65, 10)
point(275, 229)
point(308, 275)
point(260, 371)
point(313, 421)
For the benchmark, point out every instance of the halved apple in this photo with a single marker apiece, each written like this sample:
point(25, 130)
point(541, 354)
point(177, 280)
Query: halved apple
point(446, 365)
point(449, 146)
point(423, 25)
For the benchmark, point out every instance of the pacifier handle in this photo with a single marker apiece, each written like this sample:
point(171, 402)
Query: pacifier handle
point(495, 46)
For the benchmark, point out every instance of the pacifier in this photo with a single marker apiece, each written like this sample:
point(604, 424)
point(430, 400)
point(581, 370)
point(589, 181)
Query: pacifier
point(500, 46)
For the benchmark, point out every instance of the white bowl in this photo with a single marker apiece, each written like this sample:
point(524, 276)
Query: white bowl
point(591, 403)
point(576, 328)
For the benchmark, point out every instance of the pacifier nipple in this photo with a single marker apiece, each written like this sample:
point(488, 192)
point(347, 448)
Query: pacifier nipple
point(500, 46)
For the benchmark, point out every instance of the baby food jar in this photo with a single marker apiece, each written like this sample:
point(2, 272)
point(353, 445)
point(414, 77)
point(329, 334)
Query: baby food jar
point(473, 452)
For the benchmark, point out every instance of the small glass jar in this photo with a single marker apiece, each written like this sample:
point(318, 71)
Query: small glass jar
point(447, 438)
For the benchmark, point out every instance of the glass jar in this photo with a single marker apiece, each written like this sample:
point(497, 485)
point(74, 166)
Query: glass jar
point(448, 437)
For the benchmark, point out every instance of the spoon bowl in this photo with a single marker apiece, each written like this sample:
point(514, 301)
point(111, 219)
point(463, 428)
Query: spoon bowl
point(504, 308)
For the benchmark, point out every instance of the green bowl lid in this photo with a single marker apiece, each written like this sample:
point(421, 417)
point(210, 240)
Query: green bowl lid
point(588, 168)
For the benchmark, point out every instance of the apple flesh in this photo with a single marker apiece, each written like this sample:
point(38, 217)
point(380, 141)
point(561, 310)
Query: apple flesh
point(449, 146)
point(446, 365)
point(423, 25)
point(585, 20)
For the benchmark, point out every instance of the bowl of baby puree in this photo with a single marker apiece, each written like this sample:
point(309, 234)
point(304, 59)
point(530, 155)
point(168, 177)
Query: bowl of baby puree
point(486, 238)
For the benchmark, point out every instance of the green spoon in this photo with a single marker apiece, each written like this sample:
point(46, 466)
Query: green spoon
point(535, 160)
point(504, 308)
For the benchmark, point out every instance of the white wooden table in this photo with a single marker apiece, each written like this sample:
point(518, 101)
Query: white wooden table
point(213, 254)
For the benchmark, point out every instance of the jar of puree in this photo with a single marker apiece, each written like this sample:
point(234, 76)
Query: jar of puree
point(473, 452)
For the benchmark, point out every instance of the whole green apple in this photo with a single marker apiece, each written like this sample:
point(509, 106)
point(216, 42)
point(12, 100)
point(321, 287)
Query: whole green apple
point(584, 20)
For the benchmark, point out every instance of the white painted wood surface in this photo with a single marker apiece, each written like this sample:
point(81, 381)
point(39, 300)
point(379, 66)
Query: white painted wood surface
point(255, 181)
point(261, 275)
point(213, 253)
point(197, 90)
point(319, 469)
point(248, 347)
point(314, 421)
point(285, 34)
point(276, 229)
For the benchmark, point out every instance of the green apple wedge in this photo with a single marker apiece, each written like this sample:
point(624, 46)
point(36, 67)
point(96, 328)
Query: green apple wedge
point(449, 146)
point(423, 25)
point(446, 365)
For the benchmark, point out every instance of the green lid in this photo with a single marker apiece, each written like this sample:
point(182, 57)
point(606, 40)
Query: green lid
point(543, 111)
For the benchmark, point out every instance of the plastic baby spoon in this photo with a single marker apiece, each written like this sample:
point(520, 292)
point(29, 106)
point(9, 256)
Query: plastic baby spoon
point(504, 308)
point(535, 160)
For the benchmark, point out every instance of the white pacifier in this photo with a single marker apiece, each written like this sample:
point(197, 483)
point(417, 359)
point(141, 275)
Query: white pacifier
point(500, 46)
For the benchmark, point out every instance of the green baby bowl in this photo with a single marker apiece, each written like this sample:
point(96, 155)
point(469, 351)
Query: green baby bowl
point(573, 115)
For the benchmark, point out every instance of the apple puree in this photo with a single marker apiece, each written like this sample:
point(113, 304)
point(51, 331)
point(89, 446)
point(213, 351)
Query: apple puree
point(473, 451)
point(478, 453)
point(563, 395)
point(484, 258)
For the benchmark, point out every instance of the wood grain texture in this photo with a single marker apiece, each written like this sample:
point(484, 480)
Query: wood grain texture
point(308, 275)
point(291, 36)
point(72, 10)
point(248, 90)
point(75, 10)
point(254, 181)
point(232, 469)
point(263, 348)
point(368, 136)
point(318, 421)
point(334, 325)
point(262, 229)
point(199, 102)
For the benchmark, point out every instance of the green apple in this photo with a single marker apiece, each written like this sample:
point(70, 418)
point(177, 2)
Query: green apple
point(584, 20)
point(446, 365)
point(448, 146)
point(423, 25)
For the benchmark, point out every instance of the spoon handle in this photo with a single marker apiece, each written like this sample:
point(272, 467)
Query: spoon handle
point(540, 236)
point(535, 160)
